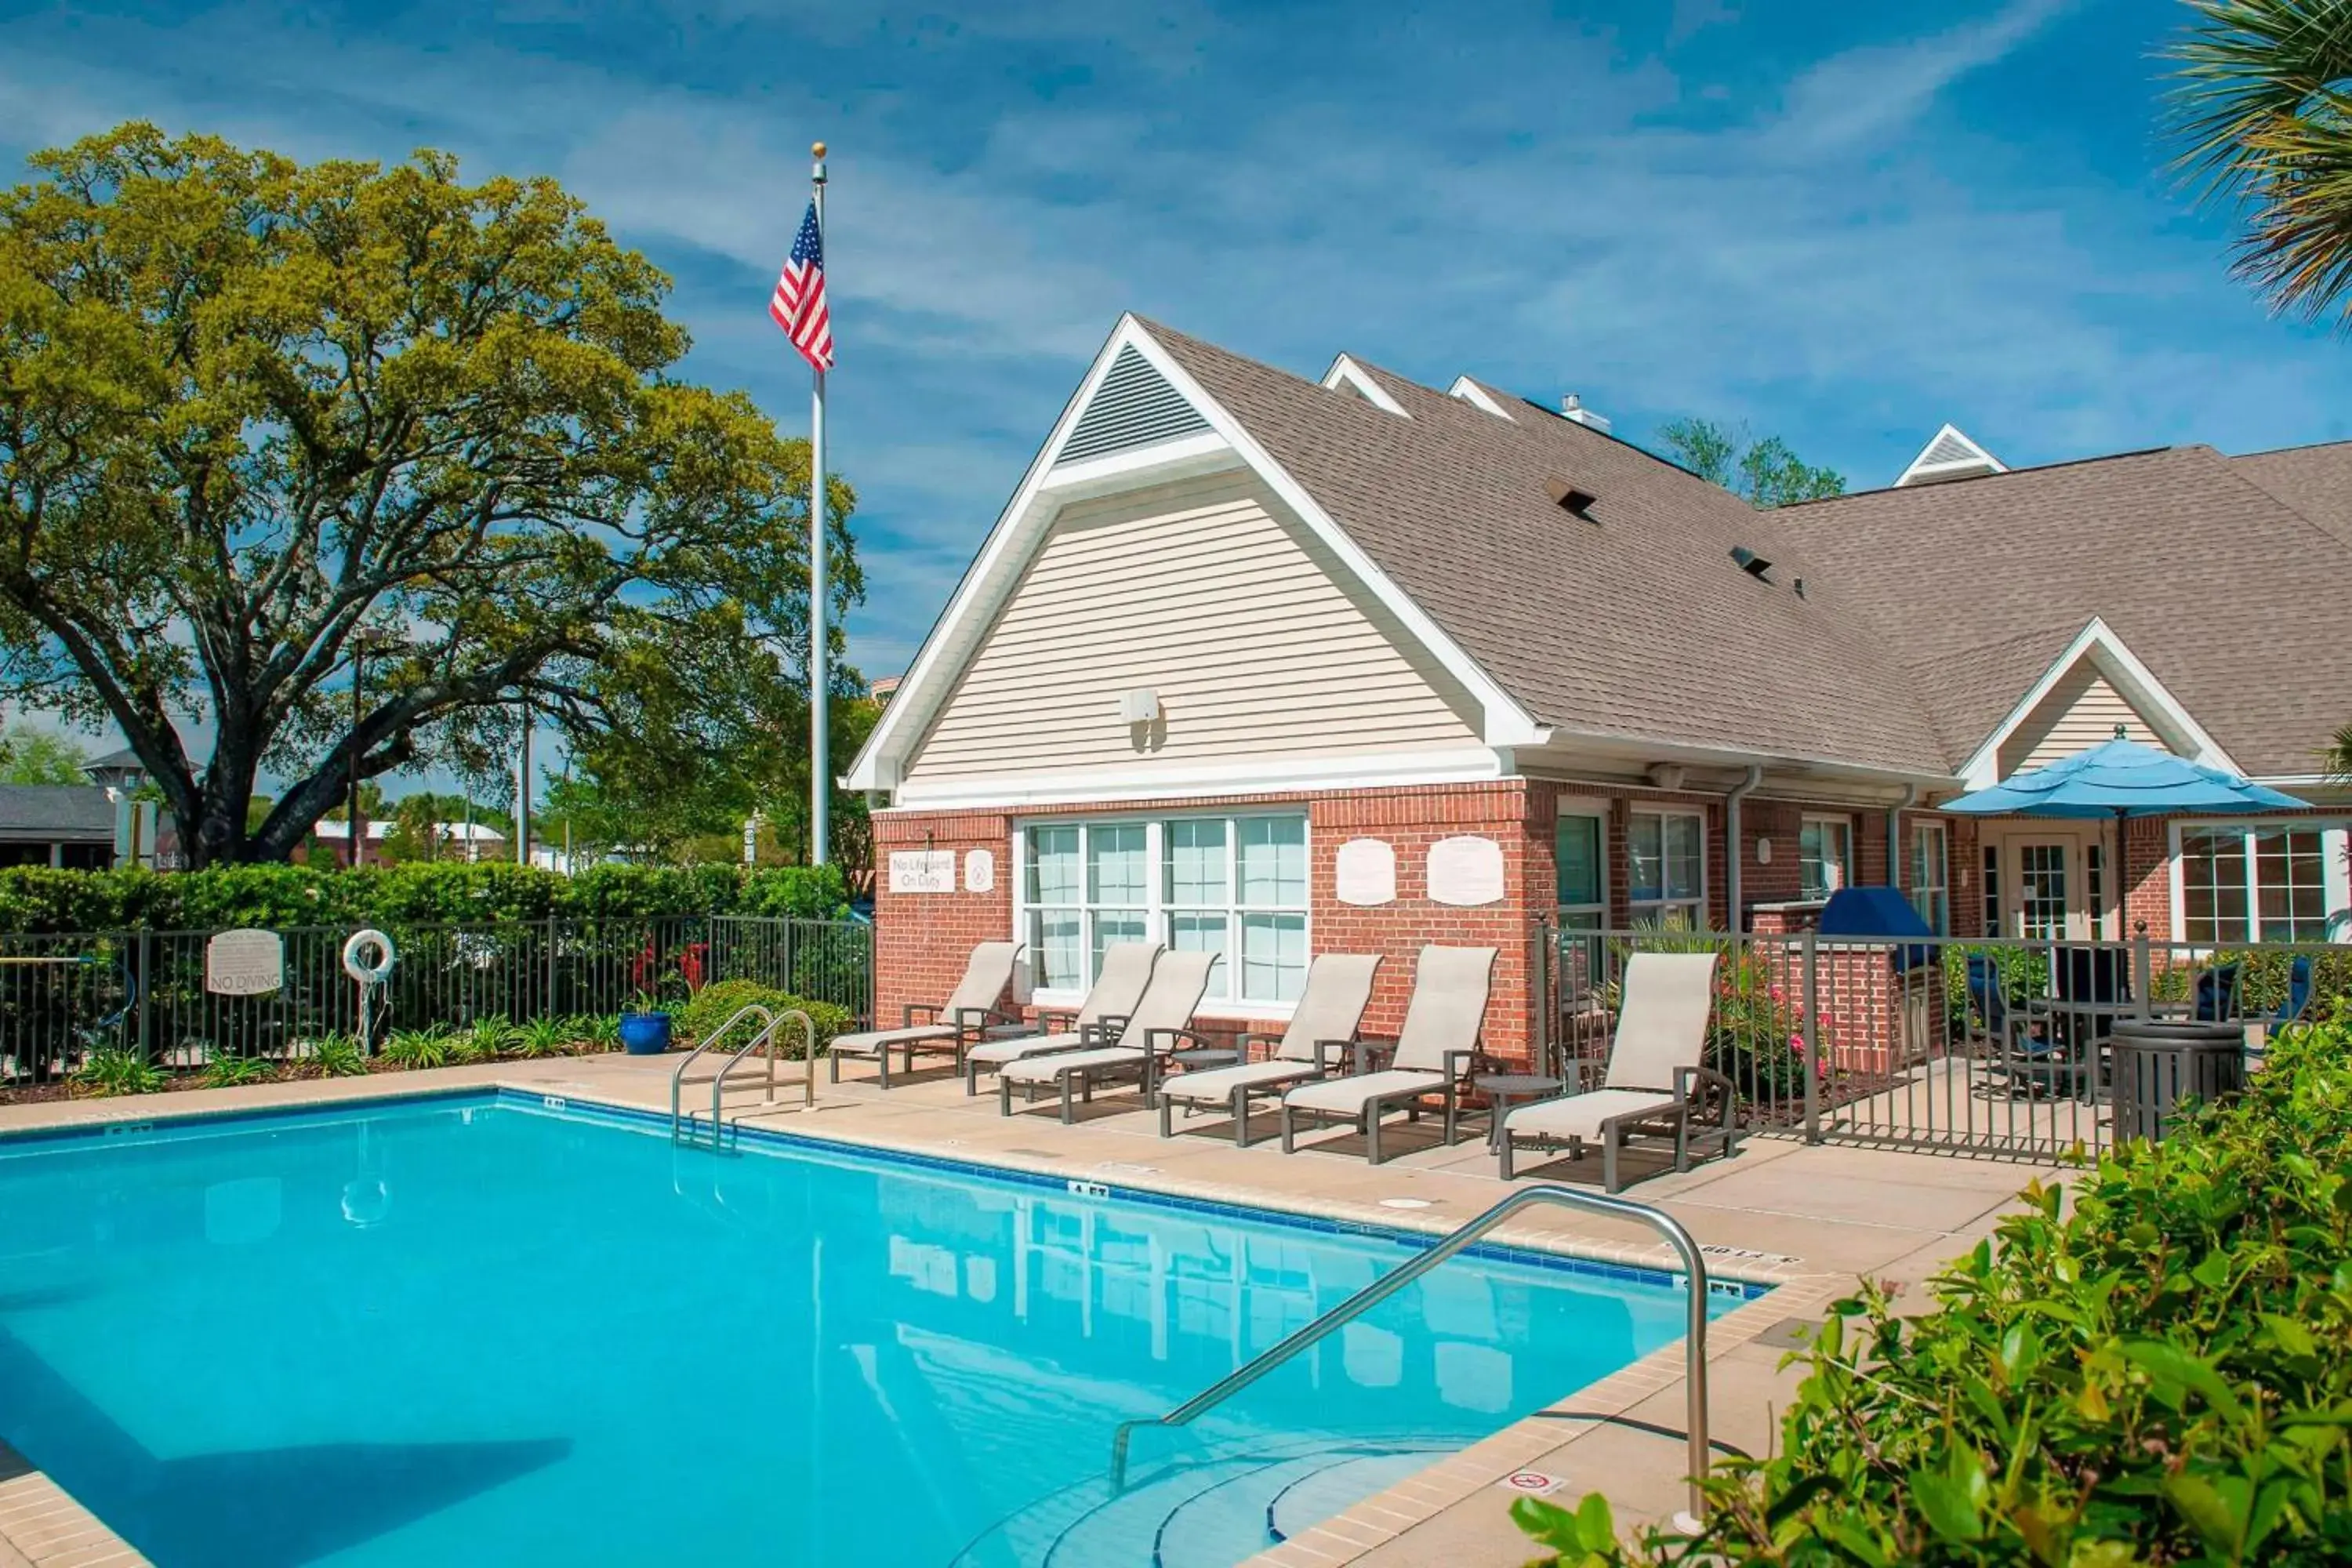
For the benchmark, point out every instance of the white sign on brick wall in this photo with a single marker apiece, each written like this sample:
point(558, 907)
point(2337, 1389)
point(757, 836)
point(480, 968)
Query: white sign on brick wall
point(244, 963)
point(1365, 872)
point(979, 872)
point(1466, 871)
point(922, 871)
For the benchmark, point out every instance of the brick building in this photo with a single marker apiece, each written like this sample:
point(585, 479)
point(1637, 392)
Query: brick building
point(1278, 667)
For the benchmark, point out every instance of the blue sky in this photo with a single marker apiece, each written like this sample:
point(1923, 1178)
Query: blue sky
point(1838, 223)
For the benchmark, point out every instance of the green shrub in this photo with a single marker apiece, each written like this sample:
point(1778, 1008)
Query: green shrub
point(338, 1055)
point(483, 1040)
point(716, 1002)
point(227, 1072)
point(2160, 1373)
point(115, 1070)
point(428, 1047)
point(544, 1038)
point(36, 899)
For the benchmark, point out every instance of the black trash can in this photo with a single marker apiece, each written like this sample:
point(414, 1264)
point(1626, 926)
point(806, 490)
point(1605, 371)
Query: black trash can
point(2158, 1064)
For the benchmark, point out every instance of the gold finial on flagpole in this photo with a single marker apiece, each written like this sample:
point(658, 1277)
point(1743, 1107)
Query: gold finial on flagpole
point(816, 150)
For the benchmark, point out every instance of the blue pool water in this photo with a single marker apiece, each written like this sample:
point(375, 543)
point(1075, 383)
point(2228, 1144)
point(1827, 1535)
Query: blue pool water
point(483, 1331)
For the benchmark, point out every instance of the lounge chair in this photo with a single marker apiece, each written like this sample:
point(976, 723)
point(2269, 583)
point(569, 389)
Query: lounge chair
point(1119, 986)
point(951, 1025)
point(1339, 989)
point(2216, 994)
point(1654, 1067)
point(1162, 1017)
point(1431, 1055)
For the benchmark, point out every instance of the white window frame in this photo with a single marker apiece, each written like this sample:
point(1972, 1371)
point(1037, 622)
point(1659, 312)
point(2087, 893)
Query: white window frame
point(1223, 1000)
point(1639, 909)
point(2337, 876)
point(1941, 865)
point(1845, 871)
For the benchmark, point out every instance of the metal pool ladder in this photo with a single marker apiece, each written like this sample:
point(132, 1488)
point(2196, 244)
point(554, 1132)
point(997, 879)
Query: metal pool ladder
point(1389, 1284)
point(683, 1125)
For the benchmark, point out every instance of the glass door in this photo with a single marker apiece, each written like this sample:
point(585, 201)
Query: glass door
point(2043, 912)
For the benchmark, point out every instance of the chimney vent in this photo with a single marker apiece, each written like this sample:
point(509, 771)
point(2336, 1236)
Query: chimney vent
point(1572, 407)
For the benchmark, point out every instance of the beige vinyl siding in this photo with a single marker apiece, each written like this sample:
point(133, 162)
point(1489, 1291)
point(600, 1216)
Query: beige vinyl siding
point(2082, 710)
point(1208, 593)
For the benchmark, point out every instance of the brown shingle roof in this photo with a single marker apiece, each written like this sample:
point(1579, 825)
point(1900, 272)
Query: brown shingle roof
point(2229, 595)
point(2314, 481)
point(1636, 623)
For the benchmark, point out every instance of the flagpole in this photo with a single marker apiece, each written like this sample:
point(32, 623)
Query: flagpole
point(820, 784)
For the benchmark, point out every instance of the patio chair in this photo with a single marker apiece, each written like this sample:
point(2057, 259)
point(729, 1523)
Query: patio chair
point(2216, 1000)
point(1330, 1012)
point(2064, 1057)
point(1433, 1054)
point(1991, 998)
point(1162, 1017)
point(1656, 1077)
point(1118, 986)
point(951, 1025)
point(2298, 994)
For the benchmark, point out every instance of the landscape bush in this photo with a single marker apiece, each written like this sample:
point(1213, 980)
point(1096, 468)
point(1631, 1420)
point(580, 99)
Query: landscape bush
point(41, 900)
point(2154, 1368)
point(720, 1000)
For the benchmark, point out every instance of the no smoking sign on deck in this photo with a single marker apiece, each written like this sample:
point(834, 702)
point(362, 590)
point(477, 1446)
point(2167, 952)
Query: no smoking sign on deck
point(1531, 1483)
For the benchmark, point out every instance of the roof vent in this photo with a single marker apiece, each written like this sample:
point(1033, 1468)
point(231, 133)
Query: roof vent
point(1570, 499)
point(1748, 560)
point(1950, 456)
point(1572, 407)
point(1134, 406)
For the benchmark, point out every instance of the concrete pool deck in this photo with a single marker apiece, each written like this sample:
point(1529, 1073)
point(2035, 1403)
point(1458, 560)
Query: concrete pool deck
point(1807, 1219)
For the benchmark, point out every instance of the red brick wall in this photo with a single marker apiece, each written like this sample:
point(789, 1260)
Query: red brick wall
point(923, 939)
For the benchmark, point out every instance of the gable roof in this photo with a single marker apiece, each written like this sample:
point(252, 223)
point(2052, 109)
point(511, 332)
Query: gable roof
point(2314, 481)
point(2227, 593)
point(1635, 623)
point(1951, 454)
point(55, 812)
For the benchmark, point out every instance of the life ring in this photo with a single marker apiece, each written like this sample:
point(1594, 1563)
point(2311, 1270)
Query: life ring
point(368, 974)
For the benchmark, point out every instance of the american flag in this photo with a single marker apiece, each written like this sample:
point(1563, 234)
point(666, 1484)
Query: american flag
point(798, 304)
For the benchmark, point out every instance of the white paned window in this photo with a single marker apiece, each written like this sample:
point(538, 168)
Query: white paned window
point(1665, 869)
point(2263, 882)
point(1233, 886)
point(1930, 871)
point(1824, 855)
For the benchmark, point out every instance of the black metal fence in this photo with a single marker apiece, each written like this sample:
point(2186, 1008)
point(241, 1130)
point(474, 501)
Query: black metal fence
point(63, 997)
point(1980, 1046)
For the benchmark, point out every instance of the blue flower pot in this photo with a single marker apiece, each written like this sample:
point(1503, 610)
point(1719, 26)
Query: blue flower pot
point(645, 1034)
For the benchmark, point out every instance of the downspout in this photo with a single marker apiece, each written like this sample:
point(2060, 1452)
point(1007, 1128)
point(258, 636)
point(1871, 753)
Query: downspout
point(1732, 856)
point(1894, 835)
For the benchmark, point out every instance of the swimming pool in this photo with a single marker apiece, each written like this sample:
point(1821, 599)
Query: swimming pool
point(493, 1330)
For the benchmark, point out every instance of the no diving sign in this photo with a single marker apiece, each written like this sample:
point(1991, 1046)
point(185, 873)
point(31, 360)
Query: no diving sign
point(245, 964)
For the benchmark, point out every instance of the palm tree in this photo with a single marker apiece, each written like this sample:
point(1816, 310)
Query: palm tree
point(2335, 760)
point(2265, 106)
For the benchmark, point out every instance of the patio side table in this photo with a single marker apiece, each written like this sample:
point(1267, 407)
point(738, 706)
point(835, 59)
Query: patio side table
point(1502, 1088)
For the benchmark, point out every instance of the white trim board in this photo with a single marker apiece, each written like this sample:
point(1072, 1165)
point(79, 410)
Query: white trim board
point(1368, 770)
point(2133, 680)
point(1976, 460)
point(1345, 374)
point(1470, 392)
point(1021, 529)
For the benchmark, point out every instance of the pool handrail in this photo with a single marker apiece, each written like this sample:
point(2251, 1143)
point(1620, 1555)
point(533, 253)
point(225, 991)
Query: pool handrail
point(767, 1037)
point(1396, 1280)
point(678, 1078)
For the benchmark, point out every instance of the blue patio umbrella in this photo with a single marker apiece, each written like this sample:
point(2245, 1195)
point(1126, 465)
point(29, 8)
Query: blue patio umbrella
point(2122, 778)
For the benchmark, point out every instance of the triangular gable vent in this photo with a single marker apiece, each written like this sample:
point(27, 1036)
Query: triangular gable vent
point(1950, 456)
point(1134, 406)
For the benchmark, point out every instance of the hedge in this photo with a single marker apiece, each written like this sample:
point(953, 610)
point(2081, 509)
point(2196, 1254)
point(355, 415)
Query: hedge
point(37, 900)
point(721, 999)
point(2159, 1371)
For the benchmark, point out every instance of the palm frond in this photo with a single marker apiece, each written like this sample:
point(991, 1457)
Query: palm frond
point(2335, 760)
point(2263, 106)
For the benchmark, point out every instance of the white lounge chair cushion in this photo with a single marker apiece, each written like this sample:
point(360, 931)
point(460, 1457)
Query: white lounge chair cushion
point(1046, 1069)
point(1216, 1086)
point(1348, 1095)
point(996, 1053)
point(1581, 1115)
point(874, 1042)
